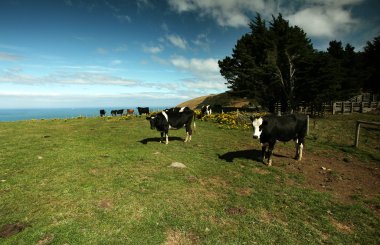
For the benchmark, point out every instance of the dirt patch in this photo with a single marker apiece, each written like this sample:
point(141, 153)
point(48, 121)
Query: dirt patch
point(106, 204)
point(346, 178)
point(46, 239)
point(245, 191)
point(8, 230)
point(343, 228)
point(176, 237)
point(235, 211)
point(260, 171)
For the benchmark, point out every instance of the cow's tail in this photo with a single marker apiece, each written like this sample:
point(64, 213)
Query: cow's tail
point(194, 125)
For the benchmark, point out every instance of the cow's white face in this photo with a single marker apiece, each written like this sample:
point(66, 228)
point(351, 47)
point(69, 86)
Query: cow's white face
point(256, 123)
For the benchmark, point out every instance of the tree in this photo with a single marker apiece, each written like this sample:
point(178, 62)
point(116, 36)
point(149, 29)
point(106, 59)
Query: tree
point(372, 62)
point(265, 62)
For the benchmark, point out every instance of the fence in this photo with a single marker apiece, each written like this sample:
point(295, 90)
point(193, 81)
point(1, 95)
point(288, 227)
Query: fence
point(358, 123)
point(341, 107)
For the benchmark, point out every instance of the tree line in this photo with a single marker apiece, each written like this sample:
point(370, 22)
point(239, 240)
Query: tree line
point(276, 62)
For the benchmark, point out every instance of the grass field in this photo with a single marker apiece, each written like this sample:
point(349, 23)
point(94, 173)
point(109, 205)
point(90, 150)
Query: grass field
point(109, 181)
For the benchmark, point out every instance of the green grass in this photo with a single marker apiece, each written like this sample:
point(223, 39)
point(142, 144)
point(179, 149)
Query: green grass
point(105, 181)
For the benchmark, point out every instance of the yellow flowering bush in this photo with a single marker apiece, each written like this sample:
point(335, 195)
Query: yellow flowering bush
point(232, 120)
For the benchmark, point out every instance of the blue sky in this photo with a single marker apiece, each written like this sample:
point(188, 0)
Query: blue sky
point(105, 53)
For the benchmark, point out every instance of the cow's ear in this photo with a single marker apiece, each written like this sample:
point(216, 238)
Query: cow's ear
point(148, 118)
point(251, 117)
point(265, 122)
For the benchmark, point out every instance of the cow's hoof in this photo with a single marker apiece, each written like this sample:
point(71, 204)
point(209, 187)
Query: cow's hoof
point(269, 163)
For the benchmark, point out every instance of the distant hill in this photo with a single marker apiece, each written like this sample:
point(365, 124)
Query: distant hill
point(223, 99)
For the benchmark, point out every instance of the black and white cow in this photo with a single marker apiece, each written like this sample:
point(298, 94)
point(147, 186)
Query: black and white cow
point(173, 118)
point(102, 112)
point(143, 110)
point(206, 110)
point(269, 129)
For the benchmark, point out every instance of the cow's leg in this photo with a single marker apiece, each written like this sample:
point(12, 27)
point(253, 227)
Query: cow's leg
point(270, 150)
point(300, 146)
point(162, 137)
point(296, 143)
point(189, 132)
point(263, 151)
point(167, 137)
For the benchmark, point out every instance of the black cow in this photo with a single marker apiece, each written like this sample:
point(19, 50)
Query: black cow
point(143, 110)
point(117, 112)
point(283, 128)
point(102, 112)
point(173, 118)
point(206, 110)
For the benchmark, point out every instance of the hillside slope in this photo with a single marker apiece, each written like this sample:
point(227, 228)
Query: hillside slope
point(223, 99)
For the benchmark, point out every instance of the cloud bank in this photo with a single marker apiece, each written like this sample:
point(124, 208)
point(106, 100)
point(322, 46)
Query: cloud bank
point(319, 18)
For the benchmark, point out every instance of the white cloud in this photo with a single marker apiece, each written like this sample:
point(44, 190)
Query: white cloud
point(197, 66)
point(326, 19)
point(205, 85)
point(153, 49)
point(205, 74)
point(102, 51)
point(9, 57)
point(90, 78)
point(177, 41)
point(226, 13)
point(319, 18)
point(123, 18)
point(202, 41)
point(116, 62)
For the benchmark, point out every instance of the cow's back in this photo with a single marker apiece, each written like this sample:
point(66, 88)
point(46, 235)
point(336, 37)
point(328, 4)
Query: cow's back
point(178, 118)
point(284, 128)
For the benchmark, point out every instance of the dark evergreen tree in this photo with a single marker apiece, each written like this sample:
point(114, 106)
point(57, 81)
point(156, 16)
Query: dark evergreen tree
point(372, 63)
point(264, 62)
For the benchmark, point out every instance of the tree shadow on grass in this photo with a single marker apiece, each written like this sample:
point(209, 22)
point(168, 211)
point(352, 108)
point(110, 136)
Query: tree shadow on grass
point(157, 139)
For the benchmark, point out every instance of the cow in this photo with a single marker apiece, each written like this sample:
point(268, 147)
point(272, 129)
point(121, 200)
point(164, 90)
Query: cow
point(269, 129)
point(117, 112)
point(102, 112)
point(130, 111)
point(206, 110)
point(173, 118)
point(143, 110)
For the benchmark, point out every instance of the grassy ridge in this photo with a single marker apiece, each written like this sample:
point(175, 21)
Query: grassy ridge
point(86, 181)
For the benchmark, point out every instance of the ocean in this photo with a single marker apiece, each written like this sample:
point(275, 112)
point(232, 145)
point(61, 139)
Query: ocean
point(10, 115)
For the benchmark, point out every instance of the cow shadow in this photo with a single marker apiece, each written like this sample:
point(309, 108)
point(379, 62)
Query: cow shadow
point(157, 140)
point(254, 155)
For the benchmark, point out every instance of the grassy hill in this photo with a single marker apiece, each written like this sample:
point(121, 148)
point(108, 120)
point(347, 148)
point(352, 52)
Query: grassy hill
point(109, 181)
point(223, 99)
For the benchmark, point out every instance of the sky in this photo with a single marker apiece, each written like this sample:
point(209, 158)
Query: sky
point(123, 53)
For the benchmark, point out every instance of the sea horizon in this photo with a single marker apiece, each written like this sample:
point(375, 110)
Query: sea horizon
point(21, 114)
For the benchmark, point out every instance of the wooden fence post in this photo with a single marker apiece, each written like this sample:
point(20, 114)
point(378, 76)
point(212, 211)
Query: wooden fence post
point(333, 108)
point(307, 124)
point(357, 134)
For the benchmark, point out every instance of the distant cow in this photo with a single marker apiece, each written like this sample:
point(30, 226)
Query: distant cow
point(143, 110)
point(130, 111)
point(269, 129)
point(117, 112)
point(206, 110)
point(173, 118)
point(102, 112)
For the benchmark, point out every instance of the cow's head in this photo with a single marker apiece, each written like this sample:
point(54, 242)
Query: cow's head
point(256, 123)
point(152, 121)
